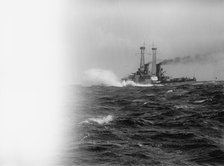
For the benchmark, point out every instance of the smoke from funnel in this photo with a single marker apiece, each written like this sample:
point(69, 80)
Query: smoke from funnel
point(207, 66)
point(199, 58)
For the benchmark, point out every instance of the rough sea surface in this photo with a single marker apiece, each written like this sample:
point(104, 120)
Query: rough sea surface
point(170, 125)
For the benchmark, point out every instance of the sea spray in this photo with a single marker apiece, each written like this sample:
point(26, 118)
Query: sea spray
point(100, 76)
point(108, 78)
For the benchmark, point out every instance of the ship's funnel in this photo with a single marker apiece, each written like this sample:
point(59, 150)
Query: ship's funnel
point(142, 60)
point(153, 71)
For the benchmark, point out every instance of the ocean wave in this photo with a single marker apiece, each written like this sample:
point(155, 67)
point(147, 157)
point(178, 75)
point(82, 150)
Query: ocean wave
point(99, 120)
point(175, 124)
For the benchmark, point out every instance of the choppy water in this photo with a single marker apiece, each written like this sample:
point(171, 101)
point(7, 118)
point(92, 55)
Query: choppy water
point(164, 125)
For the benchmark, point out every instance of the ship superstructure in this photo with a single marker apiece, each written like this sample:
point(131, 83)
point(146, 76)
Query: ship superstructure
point(152, 72)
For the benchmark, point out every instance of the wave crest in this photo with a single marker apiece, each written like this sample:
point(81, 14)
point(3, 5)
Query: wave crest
point(99, 120)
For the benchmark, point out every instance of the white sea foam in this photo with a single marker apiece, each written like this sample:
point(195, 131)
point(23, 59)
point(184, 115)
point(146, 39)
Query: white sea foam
point(99, 120)
point(132, 83)
point(200, 101)
point(169, 91)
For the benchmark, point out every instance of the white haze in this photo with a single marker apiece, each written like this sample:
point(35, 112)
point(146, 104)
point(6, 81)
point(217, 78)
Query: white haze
point(31, 79)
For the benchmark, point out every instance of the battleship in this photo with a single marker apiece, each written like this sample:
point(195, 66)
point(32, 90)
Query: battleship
point(154, 76)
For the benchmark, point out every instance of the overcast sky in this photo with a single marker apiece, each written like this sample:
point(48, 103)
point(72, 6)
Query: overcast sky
point(107, 35)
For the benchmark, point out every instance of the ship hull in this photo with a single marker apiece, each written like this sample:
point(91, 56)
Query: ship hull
point(165, 82)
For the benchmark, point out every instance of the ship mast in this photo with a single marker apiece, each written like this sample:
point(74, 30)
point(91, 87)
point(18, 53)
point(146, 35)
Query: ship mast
point(142, 60)
point(153, 71)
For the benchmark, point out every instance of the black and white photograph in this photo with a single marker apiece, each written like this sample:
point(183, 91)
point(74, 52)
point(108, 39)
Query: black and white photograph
point(112, 83)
